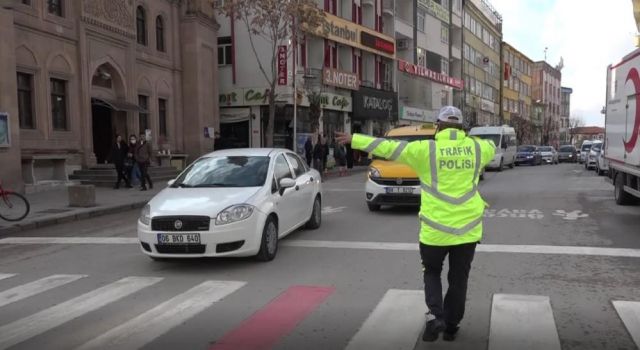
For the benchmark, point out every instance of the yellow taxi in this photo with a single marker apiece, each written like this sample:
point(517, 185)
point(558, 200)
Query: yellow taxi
point(392, 183)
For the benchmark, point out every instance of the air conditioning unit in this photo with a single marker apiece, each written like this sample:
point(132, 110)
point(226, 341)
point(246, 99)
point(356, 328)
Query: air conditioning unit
point(403, 44)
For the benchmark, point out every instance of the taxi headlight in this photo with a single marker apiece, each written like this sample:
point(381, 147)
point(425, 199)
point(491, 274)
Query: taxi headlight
point(373, 172)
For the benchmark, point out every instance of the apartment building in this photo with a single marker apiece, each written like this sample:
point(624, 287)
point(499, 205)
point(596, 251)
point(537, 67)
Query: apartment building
point(482, 37)
point(565, 114)
point(76, 73)
point(516, 88)
point(429, 41)
point(546, 95)
point(349, 62)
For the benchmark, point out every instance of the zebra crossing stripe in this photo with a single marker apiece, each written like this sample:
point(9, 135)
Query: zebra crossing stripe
point(267, 326)
point(6, 275)
point(42, 285)
point(148, 326)
point(395, 323)
point(629, 312)
point(523, 322)
point(40, 322)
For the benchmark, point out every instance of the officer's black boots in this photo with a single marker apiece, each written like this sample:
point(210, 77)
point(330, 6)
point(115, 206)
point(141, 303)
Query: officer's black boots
point(450, 333)
point(433, 329)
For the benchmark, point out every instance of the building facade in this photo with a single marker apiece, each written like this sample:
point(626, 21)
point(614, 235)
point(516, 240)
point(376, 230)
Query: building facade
point(349, 62)
point(482, 37)
point(429, 42)
point(546, 96)
point(565, 114)
point(76, 73)
point(516, 89)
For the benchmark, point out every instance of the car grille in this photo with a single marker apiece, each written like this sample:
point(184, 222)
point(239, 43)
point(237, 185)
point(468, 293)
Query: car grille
point(189, 223)
point(181, 248)
point(394, 182)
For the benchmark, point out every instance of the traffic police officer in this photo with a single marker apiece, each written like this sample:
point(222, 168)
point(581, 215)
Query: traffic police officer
point(451, 209)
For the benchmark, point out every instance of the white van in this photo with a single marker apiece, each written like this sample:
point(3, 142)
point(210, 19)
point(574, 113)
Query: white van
point(506, 143)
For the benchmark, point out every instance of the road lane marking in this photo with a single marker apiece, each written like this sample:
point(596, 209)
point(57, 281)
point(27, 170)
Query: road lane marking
point(523, 322)
point(395, 323)
point(393, 246)
point(40, 322)
point(331, 210)
point(629, 312)
point(148, 326)
point(267, 326)
point(6, 275)
point(30, 289)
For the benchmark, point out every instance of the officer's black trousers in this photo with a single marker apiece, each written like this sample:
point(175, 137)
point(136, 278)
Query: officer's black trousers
point(460, 258)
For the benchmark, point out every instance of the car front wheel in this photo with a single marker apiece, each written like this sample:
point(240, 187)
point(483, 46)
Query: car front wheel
point(269, 241)
point(316, 215)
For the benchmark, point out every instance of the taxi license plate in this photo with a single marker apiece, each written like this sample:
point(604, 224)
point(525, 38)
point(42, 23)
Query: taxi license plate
point(399, 189)
point(186, 238)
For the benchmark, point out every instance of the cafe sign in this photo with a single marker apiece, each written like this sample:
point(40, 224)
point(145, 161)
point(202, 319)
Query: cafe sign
point(245, 97)
point(332, 102)
point(354, 35)
point(424, 72)
point(341, 79)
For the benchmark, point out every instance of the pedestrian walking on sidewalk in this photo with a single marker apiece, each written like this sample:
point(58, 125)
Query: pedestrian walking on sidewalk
point(339, 154)
point(130, 166)
point(308, 151)
point(318, 156)
point(143, 159)
point(451, 213)
point(118, 156)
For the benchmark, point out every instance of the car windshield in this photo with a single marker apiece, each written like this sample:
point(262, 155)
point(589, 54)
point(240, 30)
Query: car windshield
point(230, 171)
point(596, 147)
point(566, 149)
point(526, 149)
point(545, 149)
point(586, 147)
point(492, 137)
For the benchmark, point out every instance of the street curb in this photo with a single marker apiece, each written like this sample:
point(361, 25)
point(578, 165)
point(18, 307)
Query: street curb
point(66, 218)
point(113, 209)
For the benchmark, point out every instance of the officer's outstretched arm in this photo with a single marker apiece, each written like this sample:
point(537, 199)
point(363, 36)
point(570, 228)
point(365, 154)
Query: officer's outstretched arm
point(401, 151)
point(488, 149)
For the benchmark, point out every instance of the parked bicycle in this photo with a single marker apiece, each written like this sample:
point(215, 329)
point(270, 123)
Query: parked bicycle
point(13, 206)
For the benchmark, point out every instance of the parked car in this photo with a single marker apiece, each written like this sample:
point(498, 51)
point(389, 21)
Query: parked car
point(602, 164)
point(584, 150)
point(235, 202)
point(528, 154)
point(549, 154)
point(567, 153)
point(591, 159)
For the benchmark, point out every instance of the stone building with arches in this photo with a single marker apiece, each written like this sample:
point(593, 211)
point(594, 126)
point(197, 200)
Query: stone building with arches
point(75, 73)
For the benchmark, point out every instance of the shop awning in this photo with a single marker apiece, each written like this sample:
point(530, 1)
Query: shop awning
point(118, 105)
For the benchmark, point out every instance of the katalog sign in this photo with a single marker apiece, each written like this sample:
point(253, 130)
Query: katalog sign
point(421, 71)
point(370, 103)
point(338, 78)
point(282, 65)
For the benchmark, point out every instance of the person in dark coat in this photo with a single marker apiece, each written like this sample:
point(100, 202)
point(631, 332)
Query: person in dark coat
point(118, 156)
point(340, 158)
point(318, 156)
point(143, 159)
point(349, 156)
point(308, 151)
point(325, 154)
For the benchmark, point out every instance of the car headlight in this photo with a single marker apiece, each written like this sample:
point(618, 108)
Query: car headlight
point(529, 156)
point(571, 156)
point(145, 215)
point(234, 213)
point(373, 172)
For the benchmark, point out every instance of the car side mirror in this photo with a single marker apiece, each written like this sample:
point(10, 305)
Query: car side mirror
point(286, 183)
point(171, 182)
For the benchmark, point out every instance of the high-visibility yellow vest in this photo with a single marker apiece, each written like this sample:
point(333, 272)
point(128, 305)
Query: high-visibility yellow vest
point(449, 168)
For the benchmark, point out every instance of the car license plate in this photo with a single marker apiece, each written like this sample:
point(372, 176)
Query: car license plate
point(399, 189)
point(186, 238)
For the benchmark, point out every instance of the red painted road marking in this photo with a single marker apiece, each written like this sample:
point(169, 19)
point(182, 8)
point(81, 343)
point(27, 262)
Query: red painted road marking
point(266, 327)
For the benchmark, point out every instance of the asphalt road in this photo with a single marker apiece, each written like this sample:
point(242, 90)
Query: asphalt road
point(354, 282)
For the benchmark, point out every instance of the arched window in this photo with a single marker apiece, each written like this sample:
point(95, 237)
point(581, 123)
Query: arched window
point(141, 26)
point(160, 34)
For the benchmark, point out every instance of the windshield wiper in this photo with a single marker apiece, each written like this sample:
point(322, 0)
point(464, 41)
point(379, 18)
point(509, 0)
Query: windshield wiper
point(182, 185)
point(217, 185)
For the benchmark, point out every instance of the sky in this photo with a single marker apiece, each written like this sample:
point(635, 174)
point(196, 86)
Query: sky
point(588, 34)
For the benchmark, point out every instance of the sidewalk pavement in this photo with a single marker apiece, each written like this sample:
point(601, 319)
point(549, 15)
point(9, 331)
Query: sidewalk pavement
point(51, 207)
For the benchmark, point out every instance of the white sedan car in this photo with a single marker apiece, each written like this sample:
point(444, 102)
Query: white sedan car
point(232, 203)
